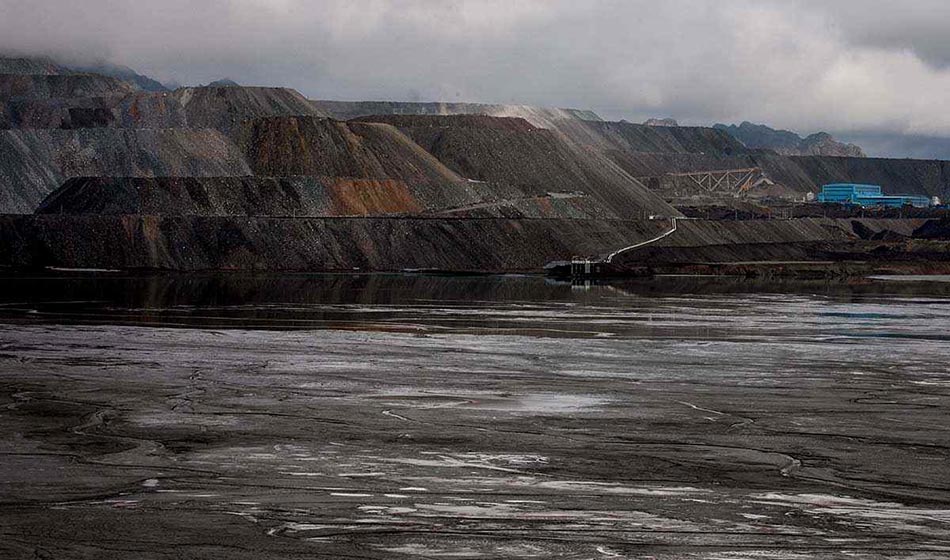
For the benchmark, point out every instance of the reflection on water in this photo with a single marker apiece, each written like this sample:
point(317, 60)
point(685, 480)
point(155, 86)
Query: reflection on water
point(918, 278)
point(686, 307)
point(706, 418)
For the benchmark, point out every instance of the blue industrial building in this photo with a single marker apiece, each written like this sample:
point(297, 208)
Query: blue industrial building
point(868, 196)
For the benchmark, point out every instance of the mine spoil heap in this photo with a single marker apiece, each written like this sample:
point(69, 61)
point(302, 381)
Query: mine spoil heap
point(97, 172)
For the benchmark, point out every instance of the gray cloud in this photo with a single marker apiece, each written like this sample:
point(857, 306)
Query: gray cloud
point(855, 67)
point(900, 145)
point(919, 26)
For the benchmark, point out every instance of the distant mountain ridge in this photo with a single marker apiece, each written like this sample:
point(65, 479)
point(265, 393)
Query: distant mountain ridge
point(16, 65)
point(122, 73)
point(787, 143)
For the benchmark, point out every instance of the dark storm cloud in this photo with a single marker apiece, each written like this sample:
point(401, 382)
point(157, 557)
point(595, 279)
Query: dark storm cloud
point(854, 66)
point(919, 26)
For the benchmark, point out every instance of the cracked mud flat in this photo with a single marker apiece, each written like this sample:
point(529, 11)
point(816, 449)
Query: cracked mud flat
point(413, 417)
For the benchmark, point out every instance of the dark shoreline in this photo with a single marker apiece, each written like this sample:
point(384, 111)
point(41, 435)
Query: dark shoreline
point(468, 246)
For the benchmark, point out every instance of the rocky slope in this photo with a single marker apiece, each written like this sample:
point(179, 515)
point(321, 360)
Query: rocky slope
point(297, 197)
point(534, 160)
point(281, 146)
point(226, 108)
point(361, 161)
point(231, 196)
point(333, 168)
point(649, 152)
point(34, 163)
point(466, 165)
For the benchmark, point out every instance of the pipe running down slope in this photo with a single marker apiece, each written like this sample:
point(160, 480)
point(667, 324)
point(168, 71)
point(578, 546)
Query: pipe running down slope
point(672, 230)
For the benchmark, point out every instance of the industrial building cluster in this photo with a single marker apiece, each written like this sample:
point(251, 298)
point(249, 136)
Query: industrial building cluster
point(871, 196)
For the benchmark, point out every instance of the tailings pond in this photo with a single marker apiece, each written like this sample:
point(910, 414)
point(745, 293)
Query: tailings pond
point(418, 416)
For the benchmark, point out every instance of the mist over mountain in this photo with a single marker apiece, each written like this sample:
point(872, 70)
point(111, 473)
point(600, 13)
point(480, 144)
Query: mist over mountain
point(840, 67)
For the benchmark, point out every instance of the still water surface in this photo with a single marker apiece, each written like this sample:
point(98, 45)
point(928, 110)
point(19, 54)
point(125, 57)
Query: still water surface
point(897, 306)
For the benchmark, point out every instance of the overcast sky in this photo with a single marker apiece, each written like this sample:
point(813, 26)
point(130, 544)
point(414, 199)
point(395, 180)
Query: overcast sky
point(859, 68)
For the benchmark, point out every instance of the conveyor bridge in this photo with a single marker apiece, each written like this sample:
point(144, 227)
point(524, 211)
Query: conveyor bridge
point(720, 181)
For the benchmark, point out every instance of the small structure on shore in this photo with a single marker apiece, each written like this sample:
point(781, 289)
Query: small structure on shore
point(868, 196)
